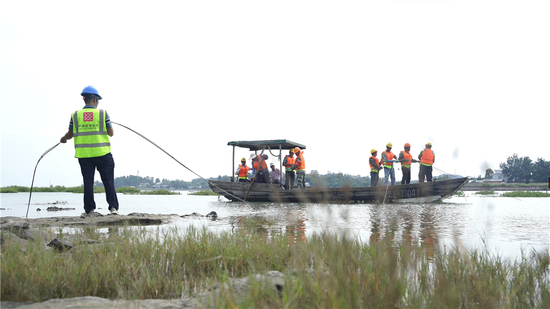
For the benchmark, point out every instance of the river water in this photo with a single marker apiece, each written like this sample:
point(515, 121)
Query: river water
point(505, 226)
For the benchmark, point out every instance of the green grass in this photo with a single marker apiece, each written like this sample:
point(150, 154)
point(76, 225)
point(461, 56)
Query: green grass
point(542, 186)
point(460, 194)
point(128, 190)
point(203, 192)
point(159, 192)
point(526, 194)
point(324, 271)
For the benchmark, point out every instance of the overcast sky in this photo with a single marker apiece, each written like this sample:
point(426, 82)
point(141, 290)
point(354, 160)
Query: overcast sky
point(341, 77)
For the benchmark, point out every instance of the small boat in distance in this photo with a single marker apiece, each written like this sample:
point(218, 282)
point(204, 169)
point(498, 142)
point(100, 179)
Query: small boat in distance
point(261, 192)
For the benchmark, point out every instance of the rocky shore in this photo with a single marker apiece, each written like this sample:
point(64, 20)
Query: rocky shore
point(20, 231)
point(239, 288)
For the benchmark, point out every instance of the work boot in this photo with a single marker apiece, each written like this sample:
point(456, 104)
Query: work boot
point(91, 214)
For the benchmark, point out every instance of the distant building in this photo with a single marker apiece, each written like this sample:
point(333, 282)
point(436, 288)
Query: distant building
point(496, 177)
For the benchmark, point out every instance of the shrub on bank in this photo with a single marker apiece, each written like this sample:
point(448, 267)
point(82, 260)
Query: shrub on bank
point(159, 192)
point(128, 190)
point(8, 190)
point(526, 194)
point(203, 192)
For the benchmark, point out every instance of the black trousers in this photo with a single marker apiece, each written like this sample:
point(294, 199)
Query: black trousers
point(289, 179)
point(106, 167)
point(374, 179)
point(406, 175)
point(425, 172)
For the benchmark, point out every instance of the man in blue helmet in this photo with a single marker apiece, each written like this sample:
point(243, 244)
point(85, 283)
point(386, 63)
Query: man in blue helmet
point(91, 129)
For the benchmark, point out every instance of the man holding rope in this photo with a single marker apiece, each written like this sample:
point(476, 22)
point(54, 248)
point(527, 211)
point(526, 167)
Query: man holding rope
point(91, 129)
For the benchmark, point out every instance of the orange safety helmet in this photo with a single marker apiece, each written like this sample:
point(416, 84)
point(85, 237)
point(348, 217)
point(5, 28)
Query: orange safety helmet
point(296, 150)
point(407, 145)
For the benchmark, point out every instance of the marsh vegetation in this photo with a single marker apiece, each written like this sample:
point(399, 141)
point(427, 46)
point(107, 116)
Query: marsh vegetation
point(324, 270)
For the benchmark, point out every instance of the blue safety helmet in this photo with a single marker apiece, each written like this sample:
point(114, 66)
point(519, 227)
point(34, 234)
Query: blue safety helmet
point(90, 90)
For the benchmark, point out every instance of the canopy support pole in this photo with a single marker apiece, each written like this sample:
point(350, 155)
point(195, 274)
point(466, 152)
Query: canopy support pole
point(233, 165)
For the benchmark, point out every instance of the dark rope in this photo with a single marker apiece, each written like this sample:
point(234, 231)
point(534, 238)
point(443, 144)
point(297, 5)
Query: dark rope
point(176, 160)
point(32, 183)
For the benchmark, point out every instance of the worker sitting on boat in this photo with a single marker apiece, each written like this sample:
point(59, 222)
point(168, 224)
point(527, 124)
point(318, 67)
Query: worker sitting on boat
point(388, 158)
point(242, 171)
point(288, 162)
point(374, 168)
point(260, 165)
point(300, 167)
point(427, 159)
point(275, 174)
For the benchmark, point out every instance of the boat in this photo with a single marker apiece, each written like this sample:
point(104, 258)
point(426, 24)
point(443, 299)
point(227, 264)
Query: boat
point(425, 192)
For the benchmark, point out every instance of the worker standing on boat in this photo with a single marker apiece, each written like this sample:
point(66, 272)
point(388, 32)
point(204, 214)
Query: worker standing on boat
point(91, 129)
point(288, 162)
point(300, 167)
point(406, 158)
point(388, 158)
point(262, 173)
point(374, 168)
point(242, 171)
point(427, 159)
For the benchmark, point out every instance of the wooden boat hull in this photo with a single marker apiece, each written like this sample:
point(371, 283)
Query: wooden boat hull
point(412, 193)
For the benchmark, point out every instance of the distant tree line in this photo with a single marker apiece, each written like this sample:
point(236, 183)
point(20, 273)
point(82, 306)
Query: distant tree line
point(150, 182)
point(335, 180)
point(524, 170)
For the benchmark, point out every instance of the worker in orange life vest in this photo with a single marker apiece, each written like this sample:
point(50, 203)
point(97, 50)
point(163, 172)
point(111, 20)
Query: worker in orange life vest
point(388, 159)
point(427, 159)
point(300, 167)
point(374, 168)
point(242, 171)
point(288, 162)
point(260, 165)
point(406, 158)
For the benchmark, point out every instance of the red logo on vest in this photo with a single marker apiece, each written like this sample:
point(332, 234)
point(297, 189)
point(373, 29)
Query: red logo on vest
point(88, 116)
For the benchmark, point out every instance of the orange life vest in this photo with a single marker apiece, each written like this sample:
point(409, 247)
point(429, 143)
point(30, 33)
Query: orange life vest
point(373, 168)
point(302, 162)
point(288, 162)
point(408, 157)
point(427, 157)
point(389, 156)
point(257, 164)
point(243, 172)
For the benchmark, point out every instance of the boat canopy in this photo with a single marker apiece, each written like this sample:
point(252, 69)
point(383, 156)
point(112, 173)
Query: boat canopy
point(269, 144)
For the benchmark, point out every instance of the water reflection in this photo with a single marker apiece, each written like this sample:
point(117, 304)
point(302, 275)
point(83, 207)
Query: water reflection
point(431, 225)
point(428, 234)
point(504, 226)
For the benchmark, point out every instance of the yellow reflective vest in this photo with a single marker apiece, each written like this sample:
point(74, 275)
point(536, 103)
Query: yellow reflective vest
point(90, 133)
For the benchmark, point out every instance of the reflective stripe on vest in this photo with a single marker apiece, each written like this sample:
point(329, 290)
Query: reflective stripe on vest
point(243, 172)
point(372, 168)
point(408, 157)
point(389, 156)
point(90, 133)
point(427, 157)
point(288, 162)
